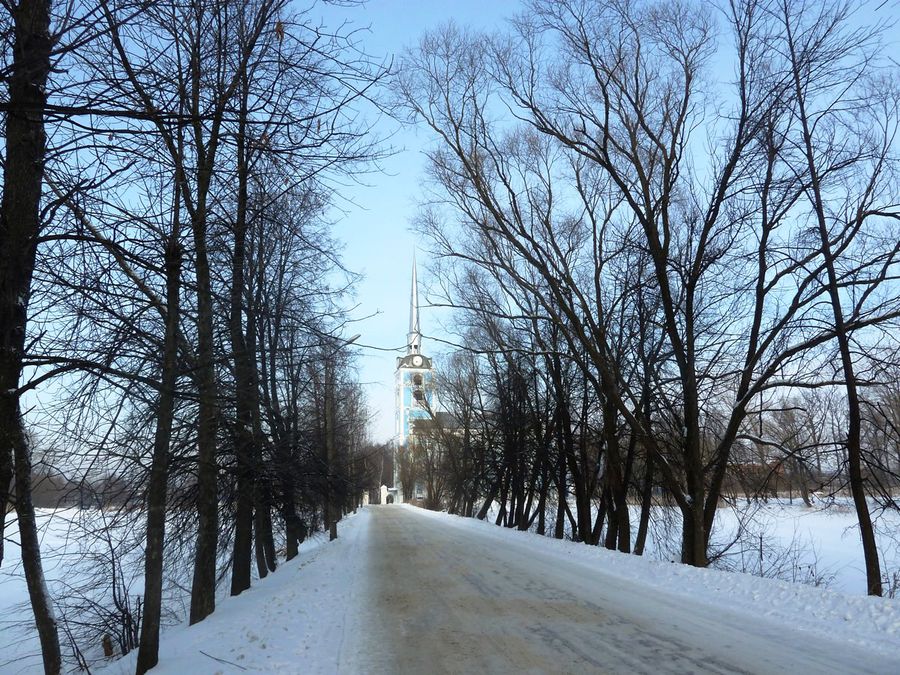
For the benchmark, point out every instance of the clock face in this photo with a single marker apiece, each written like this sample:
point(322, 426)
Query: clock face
point(417, 360)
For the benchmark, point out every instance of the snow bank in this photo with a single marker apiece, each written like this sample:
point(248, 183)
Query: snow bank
point(296, 620)
point(872, 623)
point(818, 545)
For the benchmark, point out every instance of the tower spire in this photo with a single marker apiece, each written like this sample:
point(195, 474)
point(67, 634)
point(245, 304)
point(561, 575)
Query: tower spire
point(414, 337)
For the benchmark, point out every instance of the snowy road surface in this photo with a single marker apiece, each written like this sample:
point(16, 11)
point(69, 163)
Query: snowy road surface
point(457, 600)
point(404, 590)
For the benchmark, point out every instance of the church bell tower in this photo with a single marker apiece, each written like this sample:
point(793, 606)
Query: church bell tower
point(413, 385)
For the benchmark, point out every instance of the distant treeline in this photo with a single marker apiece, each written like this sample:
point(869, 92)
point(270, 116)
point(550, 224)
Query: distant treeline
point(53, 489)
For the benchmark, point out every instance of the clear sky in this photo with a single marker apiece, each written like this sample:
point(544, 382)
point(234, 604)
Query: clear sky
point(375, 225)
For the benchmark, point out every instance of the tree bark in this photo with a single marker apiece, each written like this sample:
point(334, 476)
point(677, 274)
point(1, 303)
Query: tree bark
point(148, 650)
point(854, 413)
point(562, 494)
point(618, 486)
point(646, 503)
point(264, 541)
point(203, 586)
point(331, 516)
point(243, 381)
point(20, 227)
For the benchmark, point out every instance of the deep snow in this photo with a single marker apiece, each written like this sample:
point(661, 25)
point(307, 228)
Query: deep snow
point(301, 619)
point(310, 616)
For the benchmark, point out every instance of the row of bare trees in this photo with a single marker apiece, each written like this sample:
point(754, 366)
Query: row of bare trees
point(672, 218)
point(167, 272)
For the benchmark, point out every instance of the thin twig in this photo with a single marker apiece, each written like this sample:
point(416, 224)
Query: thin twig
point(216, 658)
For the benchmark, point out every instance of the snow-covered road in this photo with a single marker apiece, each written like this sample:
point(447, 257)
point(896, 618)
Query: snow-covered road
point(403, 590)
point(457, 599)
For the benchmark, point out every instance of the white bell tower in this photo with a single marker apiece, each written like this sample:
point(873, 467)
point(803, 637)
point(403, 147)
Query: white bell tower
point(413, 385)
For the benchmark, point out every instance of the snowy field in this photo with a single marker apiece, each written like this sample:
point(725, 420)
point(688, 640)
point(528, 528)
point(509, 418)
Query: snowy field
point(818, 545)
point(19, 647)
point(72, 550)
point(313, 601)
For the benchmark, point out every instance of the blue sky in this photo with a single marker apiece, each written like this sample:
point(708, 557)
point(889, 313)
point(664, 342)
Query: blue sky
point(375, 219)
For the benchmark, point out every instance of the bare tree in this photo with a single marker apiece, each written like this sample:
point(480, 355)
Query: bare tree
point(825, 59)
point(598, 170)
point(20, 228)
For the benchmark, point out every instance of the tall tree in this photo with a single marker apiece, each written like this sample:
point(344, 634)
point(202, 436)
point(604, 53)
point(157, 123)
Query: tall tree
point(598, 169)
point(827, 60)
point(20, 228)
point(200, 95)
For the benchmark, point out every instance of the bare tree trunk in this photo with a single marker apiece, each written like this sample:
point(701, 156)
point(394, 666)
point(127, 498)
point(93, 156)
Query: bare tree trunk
point(243, 381)
point(31, 558)
point(268, 537)
point(148, 651)
point(488, 500)
point(291, 519)
point(646, 504)
point(331, 516)
point(203, 586)
point(20, 226)
point(504, 496)
point(607, 510)
point(264, 542)
point(6, 479)
point(618, 484)
point(562, 494)
point(854, 414)
point(261, 567)
point(542, 495)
